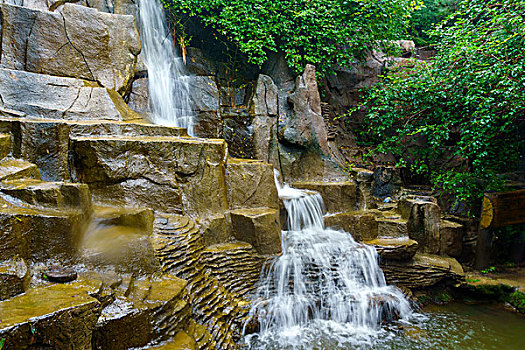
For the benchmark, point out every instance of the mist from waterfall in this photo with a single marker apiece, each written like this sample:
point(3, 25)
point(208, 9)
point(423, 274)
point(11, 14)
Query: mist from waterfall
point(168, 80)
point(325, 289)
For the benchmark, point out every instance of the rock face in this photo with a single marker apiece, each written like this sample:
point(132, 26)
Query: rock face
point(205, 97)
point(424, 270)
point(423, 225)
point(251, 184)
point(79, 42)
point(362, 225)
point(260, 227)
point(305, 126)
point(166, 174)
point(46, 96)
point(14, 278)
point(337, 196)
point(60, 316)
point(402, 249)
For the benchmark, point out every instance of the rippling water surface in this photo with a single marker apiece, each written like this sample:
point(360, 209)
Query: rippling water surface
point(452, 326)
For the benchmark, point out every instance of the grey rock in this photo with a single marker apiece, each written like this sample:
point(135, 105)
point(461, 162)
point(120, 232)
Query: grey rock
point(46, 96)
point(79, 42)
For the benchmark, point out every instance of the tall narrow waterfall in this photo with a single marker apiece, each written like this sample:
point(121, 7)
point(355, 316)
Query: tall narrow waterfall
point(168, 80)
point(325, 289)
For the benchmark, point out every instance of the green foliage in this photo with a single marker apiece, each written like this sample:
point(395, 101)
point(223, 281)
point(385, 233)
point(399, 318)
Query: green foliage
point(490, 269)
point(517, 299)
point(320, 32)
point(430, 14)
point(456, 118)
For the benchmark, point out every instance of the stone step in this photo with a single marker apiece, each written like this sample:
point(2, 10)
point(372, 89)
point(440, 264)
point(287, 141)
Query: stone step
point(5, 145)
point(14, 169)
point(182, 341)
point(166, 174)
point(392, 227)
point(394, 248)
point(52, 195)
point(424, 270)
point(39, 234)
point(258, 226)
point(151, 311)
point(337, 196)
point(362, 225)
point(57, 316)
point(236, 265)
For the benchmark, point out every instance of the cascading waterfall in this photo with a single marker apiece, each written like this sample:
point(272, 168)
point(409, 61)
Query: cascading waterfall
point(325, 289)
point(168, 81)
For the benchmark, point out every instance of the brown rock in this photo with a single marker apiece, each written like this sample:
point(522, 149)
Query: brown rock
point(451, 238)
point(337, 196)
point(14, 278)
point(362, 225)
point(395, 248)
point(260, 227)
point(423, 225)
point(59, 316)
point(251, 184)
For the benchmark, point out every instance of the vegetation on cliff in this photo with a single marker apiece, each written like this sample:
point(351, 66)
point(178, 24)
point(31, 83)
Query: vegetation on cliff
point(457, 118)
point(320, 32)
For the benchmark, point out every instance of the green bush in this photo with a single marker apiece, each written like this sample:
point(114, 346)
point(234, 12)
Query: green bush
point(320, 32)
point(430, 14)
point(457, 118)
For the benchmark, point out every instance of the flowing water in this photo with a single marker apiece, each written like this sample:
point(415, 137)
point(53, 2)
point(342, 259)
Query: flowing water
point(324, 286)
point(168, 80)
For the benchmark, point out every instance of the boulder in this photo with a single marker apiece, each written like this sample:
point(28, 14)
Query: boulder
point(305, 125)
point(205, 97)
point(14, 277)
point(215, 229)
point(46, 96)
point(392, 227)
point(365, 199)
point(258, 226)
point(166, 174)
point(423, 224)
point(61, 316)
point(158, 308)
point(337, 196)
point(251, 184)
point(362, 225)
point(387, 182)
point(395, 248)
point(138, 99)
point(79, 42)
point(40, 234)
point(451, 238)
point(264, 108)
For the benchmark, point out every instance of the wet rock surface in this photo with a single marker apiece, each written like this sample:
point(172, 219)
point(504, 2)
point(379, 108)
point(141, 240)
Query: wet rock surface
point(395, 248)
point(260, 227)
point(60, 316)
point(424, 270)
point(59, 274)
point(338, 196)
point(361, 225)
point(14, 277)
point(78, 42)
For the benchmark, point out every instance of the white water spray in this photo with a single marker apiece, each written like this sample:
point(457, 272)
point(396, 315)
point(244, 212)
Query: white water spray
point(168, 81)
point(325, 289)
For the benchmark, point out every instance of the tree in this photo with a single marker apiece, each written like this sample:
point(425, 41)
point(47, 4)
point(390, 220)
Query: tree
point(320, 32)
point(465, 107)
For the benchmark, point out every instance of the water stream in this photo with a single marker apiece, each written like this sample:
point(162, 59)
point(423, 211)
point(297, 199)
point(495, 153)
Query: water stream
point(168, 80)
point(325, 285)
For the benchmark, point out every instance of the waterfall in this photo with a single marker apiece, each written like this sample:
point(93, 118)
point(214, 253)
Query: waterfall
point(325, 289)
point(168, 81)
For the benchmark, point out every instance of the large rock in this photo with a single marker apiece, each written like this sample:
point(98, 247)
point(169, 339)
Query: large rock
point(79, 42)
point(251, 184)
point(305, 125)
point(260, 227)
point(59, 316)
point(14, 277)
point(215, 229)
point(157, 308)
point(46, 96)
point(423, 223)
point(395, 248)
point(264, 107)
point(451, 238)
point(40, 234)
point(337, 196)
point(424, 270)
point(361, 225)
point(167, 174)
